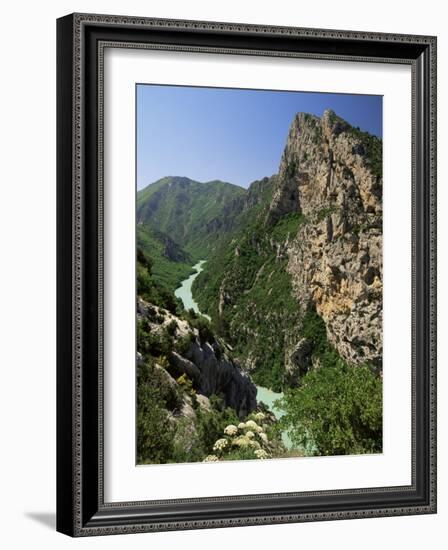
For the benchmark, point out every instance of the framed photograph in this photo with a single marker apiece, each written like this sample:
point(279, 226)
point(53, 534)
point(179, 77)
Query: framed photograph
point(246, 274)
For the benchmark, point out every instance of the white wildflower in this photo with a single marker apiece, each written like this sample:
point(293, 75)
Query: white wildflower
point(241, 441)
point(261, 453)
point(254, 444)
point(230, 430)
point(241, 425)
point(220, 445)
point(250, 434)
point(252, 425)
point(210, 458)
point(263, 437)
point(259, 416)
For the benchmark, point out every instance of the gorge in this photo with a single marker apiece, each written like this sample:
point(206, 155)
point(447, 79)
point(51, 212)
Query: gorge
point(263, 395)
point(275, 291)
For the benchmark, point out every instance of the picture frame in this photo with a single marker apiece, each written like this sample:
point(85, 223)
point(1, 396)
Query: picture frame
point(81, 506)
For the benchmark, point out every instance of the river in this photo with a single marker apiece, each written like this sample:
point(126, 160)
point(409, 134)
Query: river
point(184, 291)
point(267, 396)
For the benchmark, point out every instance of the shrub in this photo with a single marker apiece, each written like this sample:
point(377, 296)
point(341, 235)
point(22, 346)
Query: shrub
point(210, 425)
point(144, 260)
point(184, 343)
point(205, 330)
point(144, 283)
point(150, 290)
point(155, 398)
point(337, 410)
point(374, 150)
point(171, 328)
point(292, 169)
point(153, 344)
point(185, 382)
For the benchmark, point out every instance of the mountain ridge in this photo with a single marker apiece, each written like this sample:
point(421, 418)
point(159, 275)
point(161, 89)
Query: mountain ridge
point(198, 216)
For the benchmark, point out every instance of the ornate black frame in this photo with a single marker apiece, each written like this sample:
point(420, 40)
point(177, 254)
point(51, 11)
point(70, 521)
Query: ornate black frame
point(81, 39)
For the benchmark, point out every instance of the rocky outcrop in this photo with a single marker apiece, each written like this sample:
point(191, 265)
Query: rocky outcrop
point(331, 174)
point(213, 373)
point(206, 364)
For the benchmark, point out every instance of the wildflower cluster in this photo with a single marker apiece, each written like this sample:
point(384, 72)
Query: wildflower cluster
point(247, 440)
point(231, 430)
point(211, 458)
point(220, 445)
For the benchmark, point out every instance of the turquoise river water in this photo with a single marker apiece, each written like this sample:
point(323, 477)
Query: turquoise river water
point(267, 396)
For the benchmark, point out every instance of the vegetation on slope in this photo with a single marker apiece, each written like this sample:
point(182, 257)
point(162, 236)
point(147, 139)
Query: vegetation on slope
point(251, 278)
point(173, 425)
point(370, 146)
point(373, 150)
point(195, 215)
point(149, 288)
point(337, 408)
point(170, 264)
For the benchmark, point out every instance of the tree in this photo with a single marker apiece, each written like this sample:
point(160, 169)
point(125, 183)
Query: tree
point(156, 397)
point(337, 410)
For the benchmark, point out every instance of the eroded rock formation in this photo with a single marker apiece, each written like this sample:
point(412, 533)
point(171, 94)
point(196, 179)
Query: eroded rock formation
point(331, 173)
point(206, 364)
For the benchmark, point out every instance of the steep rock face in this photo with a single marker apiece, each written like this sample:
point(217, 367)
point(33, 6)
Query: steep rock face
point(331, 173)
point(213, 373)
point(206, 364)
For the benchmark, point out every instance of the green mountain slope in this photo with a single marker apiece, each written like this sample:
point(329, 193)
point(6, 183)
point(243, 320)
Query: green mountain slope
point(194, 215)
point(170, 263)
point(247, 290)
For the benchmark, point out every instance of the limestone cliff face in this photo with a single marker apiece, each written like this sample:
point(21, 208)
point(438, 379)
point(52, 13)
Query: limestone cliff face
point(331, 173)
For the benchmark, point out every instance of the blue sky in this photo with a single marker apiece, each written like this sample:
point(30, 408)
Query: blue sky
point(228, 134)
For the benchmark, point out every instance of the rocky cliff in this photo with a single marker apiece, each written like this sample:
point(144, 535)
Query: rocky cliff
point(203, 360)
point(312, 243)
point(331, 174)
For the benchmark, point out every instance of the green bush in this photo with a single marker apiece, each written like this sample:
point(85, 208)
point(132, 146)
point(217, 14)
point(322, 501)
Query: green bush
point(183, 344)
point(150, 290)
point(171, 328)
point(337, 410)
point(374, 150)
point(256, 438)
point(210, 426)
point(292, 169)
point(156, 397)
point(151, 344)
point(205, 331)
point(194, 445)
